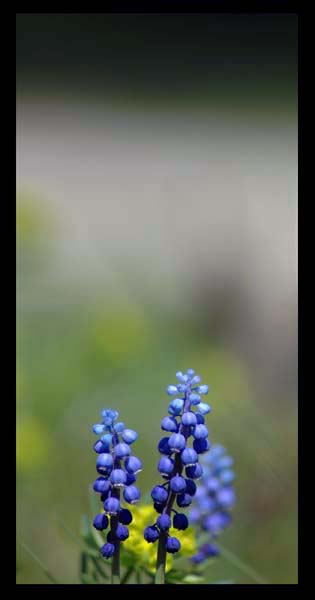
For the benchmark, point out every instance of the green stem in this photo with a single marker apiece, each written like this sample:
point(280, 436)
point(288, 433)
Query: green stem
point(127, 575)
point(116, 564)
point(161, 560)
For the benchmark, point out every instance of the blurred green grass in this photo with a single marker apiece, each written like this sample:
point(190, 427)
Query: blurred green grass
point(76, 357)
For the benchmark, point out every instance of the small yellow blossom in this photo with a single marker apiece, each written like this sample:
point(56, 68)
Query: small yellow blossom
point(144, 553)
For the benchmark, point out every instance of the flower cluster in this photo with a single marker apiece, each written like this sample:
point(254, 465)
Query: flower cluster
point(142, 554)
point(117, 469)
point(213, 500)
point(179, 464)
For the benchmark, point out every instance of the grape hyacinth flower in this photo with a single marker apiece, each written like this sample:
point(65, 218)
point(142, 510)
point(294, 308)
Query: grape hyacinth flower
point(179, 464)
point(117, 469)
point(214, 500)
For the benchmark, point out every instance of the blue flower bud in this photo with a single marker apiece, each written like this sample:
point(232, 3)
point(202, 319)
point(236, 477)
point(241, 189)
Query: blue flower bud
point(227, 476)
point(112, 505)
point(159, 494)
point(194, 472)
point(183, 500)
point(198, 558)
point(200, 432)
point(99, 447)
point(98, 428)
point(122, 450)
point(181, 388)
point(200, 419)
point(224, 462)
point(202, 389)
point(194, 398)
point(133, 465)
point(118, 477)
point(189, 419)
point(151, 534)
point(183, 378)
point(119, 427)
point(177, 442)
point(100, 522)
point(132, 494)
point(201, 492)
point(176, 406)
point(163, 446)
point(172, 545)
point(107, 439)
point(104, 462)
point(112, 414)
point(216, 522)
point(108, 550)
point(190, 373)
point(129, 436)
point(191, 487)
point(180, 521)
point(226, 497)
point(207, 504)
point(178, 484)
point(194, 515)
point(159, 507)
point(125, 516)
point(201, 445)
point(121, 532)
point(171, 390)
point(195, 379)
point(212, 485)
point(166, 465)
point(203, 408)
point(210, 550)
point(216, 451)
point(101, 485)
point(131, 478)
point(169, 424)
point(164, 522)
point(189, 457)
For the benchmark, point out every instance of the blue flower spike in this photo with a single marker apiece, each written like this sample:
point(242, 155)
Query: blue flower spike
point(179, 464)
point(214, 500)
point(118, 470)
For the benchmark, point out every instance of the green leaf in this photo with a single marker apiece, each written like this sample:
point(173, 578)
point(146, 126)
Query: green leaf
point(93, 501)
point(193, 579)
point(174, 576)
point(87, 579)
point(77, 540)
point(242, 566)
point(99, 569)
point(85, 530)
point(39, 562)
point(83, 564)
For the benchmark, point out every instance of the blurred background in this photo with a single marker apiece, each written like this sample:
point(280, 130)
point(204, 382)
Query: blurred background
point(156, 231)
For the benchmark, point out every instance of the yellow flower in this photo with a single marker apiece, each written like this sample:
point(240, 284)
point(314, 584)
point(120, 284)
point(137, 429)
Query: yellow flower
point(144, 553)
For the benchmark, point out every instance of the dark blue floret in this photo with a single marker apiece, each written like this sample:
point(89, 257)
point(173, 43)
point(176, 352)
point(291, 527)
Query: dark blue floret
point(151, 534)
point(164, 522)
point(180, 521)
point(172, 545)
point(108, 550)
point(100, 522)
point(125, 516)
